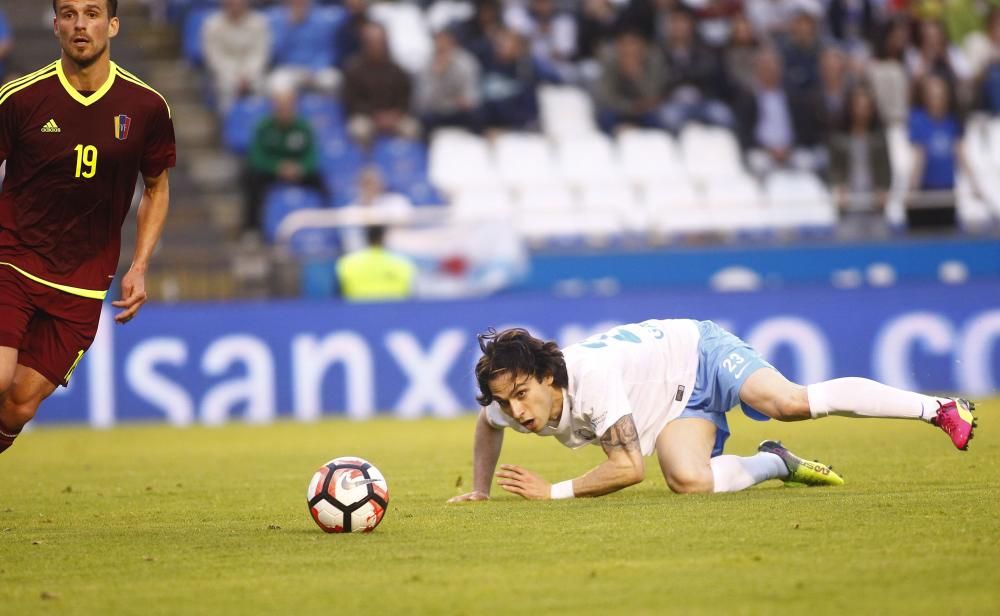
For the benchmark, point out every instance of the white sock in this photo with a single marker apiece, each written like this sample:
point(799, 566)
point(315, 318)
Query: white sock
point(856, 397)
point(733, 473)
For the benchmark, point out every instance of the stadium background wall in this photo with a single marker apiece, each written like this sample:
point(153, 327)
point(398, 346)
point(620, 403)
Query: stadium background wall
point(205, 363)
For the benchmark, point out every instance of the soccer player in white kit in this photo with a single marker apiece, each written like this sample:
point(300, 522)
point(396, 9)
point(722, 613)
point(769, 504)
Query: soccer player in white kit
point(664, 386)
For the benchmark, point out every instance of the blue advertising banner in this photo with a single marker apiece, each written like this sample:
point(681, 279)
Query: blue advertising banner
point(213, 363)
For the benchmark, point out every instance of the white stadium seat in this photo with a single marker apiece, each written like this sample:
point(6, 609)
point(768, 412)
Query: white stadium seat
point(605, 208)
point(566, 112)
point(676, 207)
point(444, 13)
point(710, 153)
point(994, 137)
point(799, 199)
point(737, 202)
point(409, 37)
point(524, 159)
point(546, 198)
point(649, 156)
point(545, 225)
point(977, 212)
point(460, 160)
point(901, 161)
point(481, 204)
point(589, 160)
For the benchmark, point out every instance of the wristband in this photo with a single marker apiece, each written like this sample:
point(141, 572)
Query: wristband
point(563, 489)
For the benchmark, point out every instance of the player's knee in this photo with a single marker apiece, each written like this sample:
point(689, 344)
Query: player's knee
point(16, 413)
point(792, 405)
point(690, 481)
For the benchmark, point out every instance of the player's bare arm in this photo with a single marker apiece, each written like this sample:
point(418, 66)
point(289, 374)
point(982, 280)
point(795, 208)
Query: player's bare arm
point(485, 453)
point(623, 468)
point(151, 217)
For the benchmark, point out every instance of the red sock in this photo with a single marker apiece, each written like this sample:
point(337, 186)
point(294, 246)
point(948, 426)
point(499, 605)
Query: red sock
point(7, 437)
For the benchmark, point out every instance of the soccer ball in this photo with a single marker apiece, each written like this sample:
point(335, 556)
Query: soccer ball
point(348, 495)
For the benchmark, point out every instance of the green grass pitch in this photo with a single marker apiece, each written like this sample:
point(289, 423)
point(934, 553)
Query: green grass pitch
point(155, 520)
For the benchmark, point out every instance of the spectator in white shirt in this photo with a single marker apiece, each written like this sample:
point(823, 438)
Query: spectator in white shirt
point(236, 42)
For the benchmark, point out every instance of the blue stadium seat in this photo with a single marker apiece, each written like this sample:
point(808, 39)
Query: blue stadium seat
point(242, 120)
point(402, 162)
point(191, 34)
point(423, 193)
point(324, 114)
point(328, 17)
point(317, 278)
point(315, 243)
point(177, 10)
point(340, 161)
point(281, 201)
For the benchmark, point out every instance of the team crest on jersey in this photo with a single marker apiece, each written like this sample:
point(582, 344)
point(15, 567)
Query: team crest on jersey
point(122, 124)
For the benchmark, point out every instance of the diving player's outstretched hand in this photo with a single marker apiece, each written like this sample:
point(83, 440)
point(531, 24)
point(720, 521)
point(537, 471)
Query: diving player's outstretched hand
point(475, 495)
point(524, 483)
point(133, 296)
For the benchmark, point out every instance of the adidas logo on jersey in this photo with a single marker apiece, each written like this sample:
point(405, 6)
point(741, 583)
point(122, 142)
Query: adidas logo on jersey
point(51, 127)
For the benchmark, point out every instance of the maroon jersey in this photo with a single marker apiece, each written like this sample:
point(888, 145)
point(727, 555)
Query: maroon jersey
point(72, 162)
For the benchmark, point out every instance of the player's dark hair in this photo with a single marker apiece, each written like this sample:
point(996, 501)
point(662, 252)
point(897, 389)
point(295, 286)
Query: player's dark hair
point(112, 7)
point(515, 351)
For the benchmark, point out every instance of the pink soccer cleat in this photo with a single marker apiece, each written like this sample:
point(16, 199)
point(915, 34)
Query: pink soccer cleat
point(956, 419)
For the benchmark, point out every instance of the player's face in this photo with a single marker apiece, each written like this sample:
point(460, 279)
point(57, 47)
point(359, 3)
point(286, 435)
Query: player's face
point(84, 28)
point(529, 402)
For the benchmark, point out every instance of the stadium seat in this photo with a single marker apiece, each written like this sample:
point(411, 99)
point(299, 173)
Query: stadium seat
point(977, 212)
point(605, 209)
point(798, 199)
point(423, 193)
point(241, 122)
point(444, 13)
point(340, 160)
point(649, 156)
point(994, 138)
point(191, 33)
point(324, 114)
point(974, 213)
point(524, 159)
point(481, 205)
point(737, 203)
point(328, 17)
point(901, 161)
point(460, 160)
point(566, 112)
point(317, 277)
point(546, 198)
point(409, 37)
point(282, 200)
point(710, 153)
point(315, 242)
point(544, 212)
point(676, 208)
point(589, 160)
point(403, 162)
point(541, 226)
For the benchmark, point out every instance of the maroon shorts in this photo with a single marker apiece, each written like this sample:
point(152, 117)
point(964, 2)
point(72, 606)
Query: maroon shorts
point(51, 329)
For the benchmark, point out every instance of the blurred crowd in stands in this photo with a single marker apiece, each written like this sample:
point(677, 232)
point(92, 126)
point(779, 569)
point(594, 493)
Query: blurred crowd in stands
point(803, 84)
point(815, 86)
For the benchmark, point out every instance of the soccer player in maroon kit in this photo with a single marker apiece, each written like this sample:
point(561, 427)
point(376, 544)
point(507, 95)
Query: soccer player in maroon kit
point(75, 136)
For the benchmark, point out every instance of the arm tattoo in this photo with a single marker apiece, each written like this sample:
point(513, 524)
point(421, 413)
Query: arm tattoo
point(622, 435)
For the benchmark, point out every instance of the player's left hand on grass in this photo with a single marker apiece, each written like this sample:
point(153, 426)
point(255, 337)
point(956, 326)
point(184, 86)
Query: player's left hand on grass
point(133, 296)
point(524, 483)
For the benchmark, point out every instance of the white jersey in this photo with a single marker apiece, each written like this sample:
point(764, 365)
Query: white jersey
point(644, 369)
